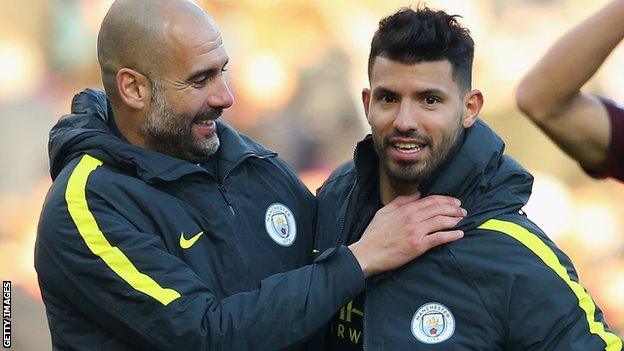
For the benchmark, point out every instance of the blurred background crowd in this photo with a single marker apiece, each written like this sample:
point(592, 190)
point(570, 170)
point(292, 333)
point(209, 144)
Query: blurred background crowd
point(296, 69)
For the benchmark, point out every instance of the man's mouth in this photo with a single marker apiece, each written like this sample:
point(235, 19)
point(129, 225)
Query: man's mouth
point(207, 117)
point(408, 150)
point(205, 127)
point(408, 147)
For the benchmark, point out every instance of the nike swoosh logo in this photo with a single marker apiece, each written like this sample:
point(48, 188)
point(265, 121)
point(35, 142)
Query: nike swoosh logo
point(187, 243)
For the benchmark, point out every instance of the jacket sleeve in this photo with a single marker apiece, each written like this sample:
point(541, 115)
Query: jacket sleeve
point(614, 164)
point(126, 281)
point(546, 307)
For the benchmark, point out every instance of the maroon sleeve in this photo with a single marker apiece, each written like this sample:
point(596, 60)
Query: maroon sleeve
point(614, 166)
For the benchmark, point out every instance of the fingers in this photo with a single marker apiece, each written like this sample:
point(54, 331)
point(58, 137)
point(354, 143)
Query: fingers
point(434, 224)
point(431, 207)
point(441, 238)
point(435, 210)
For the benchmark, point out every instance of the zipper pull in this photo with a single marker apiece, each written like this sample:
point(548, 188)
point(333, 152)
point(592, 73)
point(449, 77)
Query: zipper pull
point(227, 201)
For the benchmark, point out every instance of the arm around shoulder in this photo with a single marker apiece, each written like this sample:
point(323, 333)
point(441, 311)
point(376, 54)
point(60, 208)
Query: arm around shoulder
point(127, 282)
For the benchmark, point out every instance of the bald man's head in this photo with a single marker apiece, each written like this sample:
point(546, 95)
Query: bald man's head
point(138, 34)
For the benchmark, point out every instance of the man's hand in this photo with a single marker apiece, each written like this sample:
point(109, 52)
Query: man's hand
point(405, 229)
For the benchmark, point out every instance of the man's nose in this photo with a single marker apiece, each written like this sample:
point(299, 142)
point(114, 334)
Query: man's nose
point(406, 118)
point(220, 95)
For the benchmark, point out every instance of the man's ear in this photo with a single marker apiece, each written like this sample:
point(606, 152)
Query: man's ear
point(134, 88)
point(366, 96)
point(473, 102)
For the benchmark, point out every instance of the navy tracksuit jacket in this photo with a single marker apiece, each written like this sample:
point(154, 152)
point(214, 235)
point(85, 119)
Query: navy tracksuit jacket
point(140, 250)
point(504, 286)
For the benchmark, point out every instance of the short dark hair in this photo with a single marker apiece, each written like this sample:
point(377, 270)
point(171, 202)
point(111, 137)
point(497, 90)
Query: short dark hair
point(410, 36)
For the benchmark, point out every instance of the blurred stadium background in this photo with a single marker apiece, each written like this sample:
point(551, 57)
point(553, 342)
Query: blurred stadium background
point(297, 68)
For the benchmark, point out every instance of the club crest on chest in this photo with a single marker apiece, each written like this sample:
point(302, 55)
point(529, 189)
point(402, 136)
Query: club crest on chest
point(280, 224)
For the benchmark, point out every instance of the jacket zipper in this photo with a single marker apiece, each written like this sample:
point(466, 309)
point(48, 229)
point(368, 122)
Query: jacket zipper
point(344, 215)
point(342, 225)
point(227, 201)
point(223, 190)
point(366, 312)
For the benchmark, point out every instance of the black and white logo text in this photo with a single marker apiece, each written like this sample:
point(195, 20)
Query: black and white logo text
point(6, 314)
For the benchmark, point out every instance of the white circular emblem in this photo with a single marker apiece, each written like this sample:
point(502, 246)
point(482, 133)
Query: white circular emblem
point(280, 224)
point(433, 323)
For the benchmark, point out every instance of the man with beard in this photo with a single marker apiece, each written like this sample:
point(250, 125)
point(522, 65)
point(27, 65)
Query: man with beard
point(587, 127)
point(166, 230)
point(505, 285)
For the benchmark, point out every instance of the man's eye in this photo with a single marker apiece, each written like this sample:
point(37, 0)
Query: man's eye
point(201, 81)
point(431, 100)
point(388, 99)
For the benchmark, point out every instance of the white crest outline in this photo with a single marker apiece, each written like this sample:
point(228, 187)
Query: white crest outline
point(288, 234)
point(432, 310)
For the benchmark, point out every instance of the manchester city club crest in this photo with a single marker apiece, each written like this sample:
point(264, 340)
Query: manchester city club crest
point(280, 224)
point(433, 323)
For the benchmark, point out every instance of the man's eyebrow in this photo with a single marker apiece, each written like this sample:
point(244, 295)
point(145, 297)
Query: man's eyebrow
point(431, 91)
point(208, 73)
point(380, 90)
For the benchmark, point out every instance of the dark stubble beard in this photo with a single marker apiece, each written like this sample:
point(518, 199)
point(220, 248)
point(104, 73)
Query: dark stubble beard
point(171, 134)
point(416, 173)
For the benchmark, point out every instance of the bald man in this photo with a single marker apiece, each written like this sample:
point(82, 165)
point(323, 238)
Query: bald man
point(165, 229)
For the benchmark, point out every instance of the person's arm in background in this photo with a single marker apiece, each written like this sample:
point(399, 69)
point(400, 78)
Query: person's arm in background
point(550, 93)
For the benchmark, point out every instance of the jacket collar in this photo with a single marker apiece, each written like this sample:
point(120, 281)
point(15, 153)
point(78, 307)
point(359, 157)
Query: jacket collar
point(234, 149)
point(477, 172)
point(86, 131)
point(366, 161)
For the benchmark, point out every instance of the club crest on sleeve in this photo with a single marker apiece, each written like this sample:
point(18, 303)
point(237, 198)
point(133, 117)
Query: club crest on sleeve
point(280, 224)
point(433, 323)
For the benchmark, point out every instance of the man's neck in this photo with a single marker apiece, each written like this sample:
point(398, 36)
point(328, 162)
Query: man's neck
point(389, 190)
point(128, 127)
